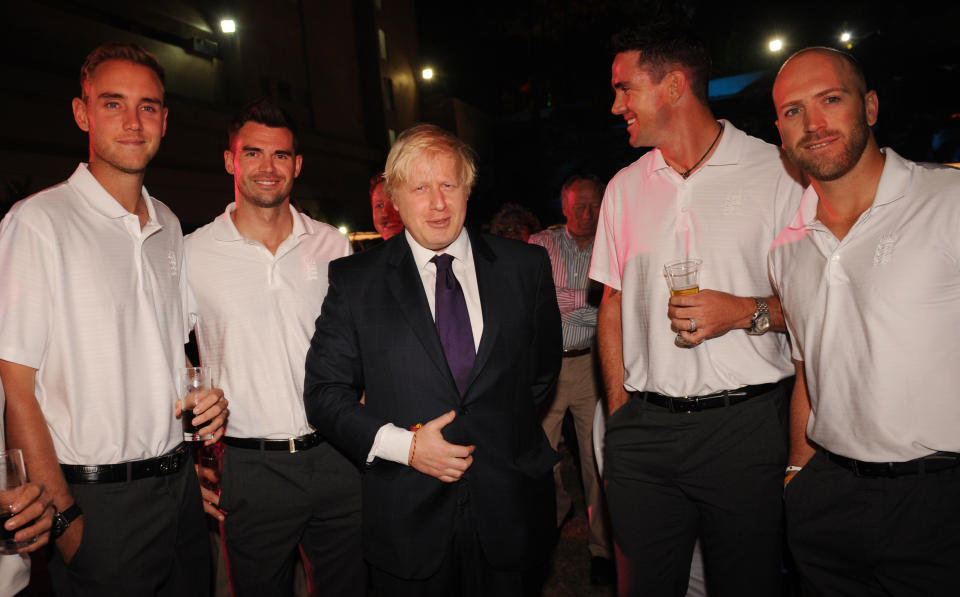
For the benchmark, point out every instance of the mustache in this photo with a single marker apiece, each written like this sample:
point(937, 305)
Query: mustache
point(814, 137)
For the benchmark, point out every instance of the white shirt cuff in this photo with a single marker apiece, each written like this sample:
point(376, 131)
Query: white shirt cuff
point(391, 443)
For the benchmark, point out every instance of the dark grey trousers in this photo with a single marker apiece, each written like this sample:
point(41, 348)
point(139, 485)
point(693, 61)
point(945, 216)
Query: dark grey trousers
point(144, 537)
point(277, 502)
point(716, 474)
point(873, 536)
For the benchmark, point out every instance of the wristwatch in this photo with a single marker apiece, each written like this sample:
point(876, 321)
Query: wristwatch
point(62, 520)
point(761, 318)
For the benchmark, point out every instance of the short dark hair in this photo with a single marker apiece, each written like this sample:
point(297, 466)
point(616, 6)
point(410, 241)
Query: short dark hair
point(375, 180)
point(665, 47)
point(118, 51)
point(263, 111)
point(577, 177)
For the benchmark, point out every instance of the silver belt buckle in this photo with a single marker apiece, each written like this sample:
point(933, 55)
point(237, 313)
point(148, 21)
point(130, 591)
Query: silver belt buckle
point(293, 444)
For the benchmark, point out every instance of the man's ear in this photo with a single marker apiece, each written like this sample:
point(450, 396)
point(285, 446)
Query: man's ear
point(871, 105)
point(228, 161)
point(676, 85)
point(299, 164)
point(80, 114)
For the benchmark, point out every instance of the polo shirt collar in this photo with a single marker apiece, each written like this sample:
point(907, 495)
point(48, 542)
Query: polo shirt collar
point(727, 153)
point(893, 185)
point(225, 230)
point(459, 249)
point(102, 201)
point(894, 179)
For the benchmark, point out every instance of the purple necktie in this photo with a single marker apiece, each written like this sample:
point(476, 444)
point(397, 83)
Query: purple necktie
point(453, 322)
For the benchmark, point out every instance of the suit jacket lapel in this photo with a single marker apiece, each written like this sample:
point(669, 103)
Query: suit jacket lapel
point(484, 260)
point(405, 284)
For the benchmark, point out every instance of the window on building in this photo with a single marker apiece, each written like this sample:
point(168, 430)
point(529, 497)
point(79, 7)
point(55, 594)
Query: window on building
point(382, 38)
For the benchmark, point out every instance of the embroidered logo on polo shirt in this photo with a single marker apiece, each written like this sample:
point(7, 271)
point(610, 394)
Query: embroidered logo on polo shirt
point(884, 251)
point(172, 261)
point(310, 269)
point(731, 204)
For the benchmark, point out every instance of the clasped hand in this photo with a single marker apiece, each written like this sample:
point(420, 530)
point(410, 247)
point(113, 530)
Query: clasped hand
point(433, 455)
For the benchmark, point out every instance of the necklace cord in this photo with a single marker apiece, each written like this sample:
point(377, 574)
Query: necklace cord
point(715, 139)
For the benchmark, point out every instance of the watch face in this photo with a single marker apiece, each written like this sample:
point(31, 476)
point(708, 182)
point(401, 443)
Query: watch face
point(763, 323)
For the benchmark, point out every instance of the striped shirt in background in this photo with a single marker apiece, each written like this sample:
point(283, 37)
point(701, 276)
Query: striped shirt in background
point(570, 265)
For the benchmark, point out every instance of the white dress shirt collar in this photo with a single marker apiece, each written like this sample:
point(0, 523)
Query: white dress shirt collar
point(459, 249)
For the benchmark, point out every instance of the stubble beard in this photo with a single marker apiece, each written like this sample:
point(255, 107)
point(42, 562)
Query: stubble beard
point(116, 161)
point(826, 169)
point(257, 198)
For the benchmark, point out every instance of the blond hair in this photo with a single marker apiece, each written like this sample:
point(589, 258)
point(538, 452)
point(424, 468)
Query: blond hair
point(129, 52)
point(431, 140)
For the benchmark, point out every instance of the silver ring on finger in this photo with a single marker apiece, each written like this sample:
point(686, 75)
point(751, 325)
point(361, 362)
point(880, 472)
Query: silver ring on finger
point(693, 325)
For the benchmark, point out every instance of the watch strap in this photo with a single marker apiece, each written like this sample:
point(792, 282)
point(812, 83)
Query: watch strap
point(762, 309)
point(63, 520)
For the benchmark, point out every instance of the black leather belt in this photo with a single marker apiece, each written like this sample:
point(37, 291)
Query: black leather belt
point(692, 404)
point(938, 461)
point(167, 464)
point(575, 352)
point(294, 444)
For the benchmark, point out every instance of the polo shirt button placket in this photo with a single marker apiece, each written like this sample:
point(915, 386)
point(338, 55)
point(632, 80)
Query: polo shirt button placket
point(834, 267)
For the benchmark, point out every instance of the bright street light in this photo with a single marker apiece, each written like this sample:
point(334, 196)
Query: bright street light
point(228, 26)
point(342, 229)
point(775, 45)
point(845, 36)
point(427, 73)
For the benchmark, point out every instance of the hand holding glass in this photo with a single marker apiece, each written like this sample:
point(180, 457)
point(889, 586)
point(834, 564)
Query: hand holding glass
point(13, 476)
point(194, 384)
point(683, 277)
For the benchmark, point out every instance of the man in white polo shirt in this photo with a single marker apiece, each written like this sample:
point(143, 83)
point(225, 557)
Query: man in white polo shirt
point(257, 277)
point(867, 272)
point(92, 328)
point(696, 440)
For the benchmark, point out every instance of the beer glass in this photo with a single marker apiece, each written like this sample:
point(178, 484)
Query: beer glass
point(194, 382)
point(683, 277)
point(13, 476)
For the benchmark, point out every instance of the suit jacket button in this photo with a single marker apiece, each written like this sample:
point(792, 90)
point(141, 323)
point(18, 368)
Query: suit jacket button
point(464, 411)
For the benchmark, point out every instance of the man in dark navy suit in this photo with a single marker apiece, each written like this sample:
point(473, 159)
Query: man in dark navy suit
point(455, 339)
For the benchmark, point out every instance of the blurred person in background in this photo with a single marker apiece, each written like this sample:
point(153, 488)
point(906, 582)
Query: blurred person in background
point(514, 221)
point(385, 217)
point(578, 388)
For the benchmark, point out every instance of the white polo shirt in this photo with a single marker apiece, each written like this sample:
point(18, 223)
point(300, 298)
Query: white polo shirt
point(96, 305)
point(875, 317)
point(255, 312)
point(727, 213)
